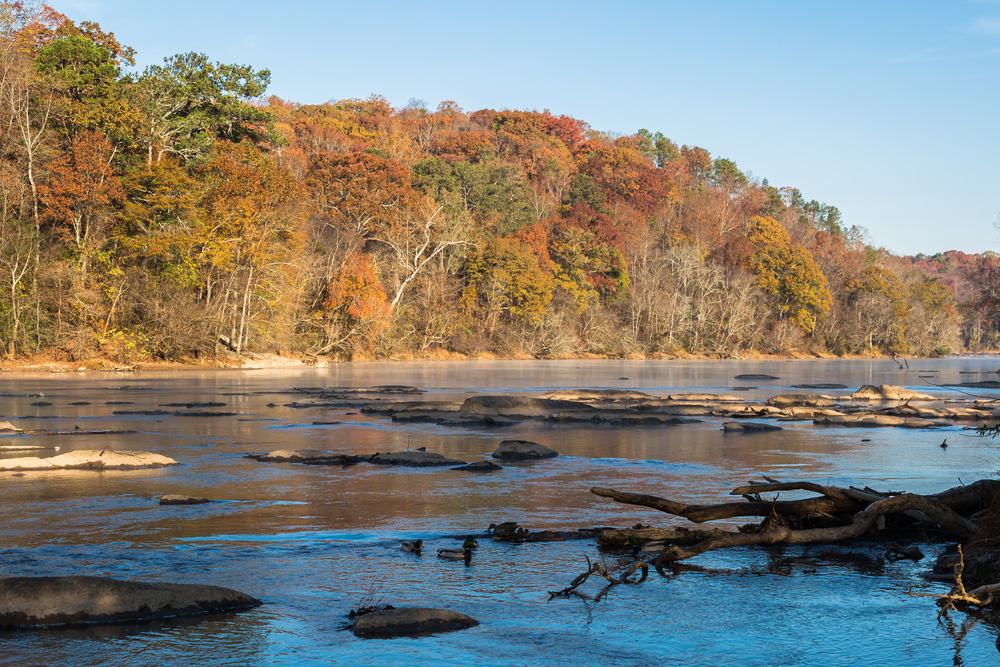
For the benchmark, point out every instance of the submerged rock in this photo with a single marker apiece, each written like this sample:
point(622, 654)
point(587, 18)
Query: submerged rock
point(748, 427)
point(757, 376)
point(888, 392)
point(410, 622)
point(821, 385)
point(174, 499)
point(523, 450)
point(413, 458)
point(35, 602)
point(90, 459)
point(480, 466)
point(189, 406)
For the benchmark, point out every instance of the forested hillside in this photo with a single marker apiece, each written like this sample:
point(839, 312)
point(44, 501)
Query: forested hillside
point(176, 212)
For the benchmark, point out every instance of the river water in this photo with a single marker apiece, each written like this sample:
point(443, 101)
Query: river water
point(313, 541)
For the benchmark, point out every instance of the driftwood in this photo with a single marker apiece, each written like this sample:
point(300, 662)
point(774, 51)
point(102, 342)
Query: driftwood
point(601, 569)
point(980, 597)
point(832, 515)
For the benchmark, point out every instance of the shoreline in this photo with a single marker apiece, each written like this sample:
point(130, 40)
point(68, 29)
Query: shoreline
point(274, 361)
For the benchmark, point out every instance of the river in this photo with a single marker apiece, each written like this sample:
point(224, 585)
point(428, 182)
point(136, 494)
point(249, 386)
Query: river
point(312, 541)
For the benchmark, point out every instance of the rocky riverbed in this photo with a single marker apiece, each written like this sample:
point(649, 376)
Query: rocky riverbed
point(312, 539)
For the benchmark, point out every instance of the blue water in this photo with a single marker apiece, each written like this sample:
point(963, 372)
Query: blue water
point(312, 542)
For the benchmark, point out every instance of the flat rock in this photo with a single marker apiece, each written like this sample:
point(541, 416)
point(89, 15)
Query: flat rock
point(410, 622)
point(888, 392)
point(879, 420)
point(37, 602)
point(808, 400)
point(523, 450)
point(757, 376)
point(821, 385)
point(985, 384)
point(596, 395)
point(90, 459)
point(748, 427)
point(479, 466)
point(311, 456)
point(174, 499)
point(413, 458)
point(519, 406)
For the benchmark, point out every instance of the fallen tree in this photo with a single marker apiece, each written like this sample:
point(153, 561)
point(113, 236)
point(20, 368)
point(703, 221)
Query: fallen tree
point(834, 514)
point(964, 514)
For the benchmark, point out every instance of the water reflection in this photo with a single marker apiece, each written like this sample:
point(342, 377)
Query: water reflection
point(311, 540)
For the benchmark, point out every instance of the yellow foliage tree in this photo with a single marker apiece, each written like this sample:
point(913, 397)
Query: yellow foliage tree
point(788, 272)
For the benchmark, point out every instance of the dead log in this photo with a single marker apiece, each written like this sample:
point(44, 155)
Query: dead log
point(936, 512)
point(826, 505)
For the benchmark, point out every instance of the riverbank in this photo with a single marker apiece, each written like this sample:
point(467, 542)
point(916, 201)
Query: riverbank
point(277, 361)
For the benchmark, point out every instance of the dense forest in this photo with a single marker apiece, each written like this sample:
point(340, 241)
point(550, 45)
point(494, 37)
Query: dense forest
point(176, 212)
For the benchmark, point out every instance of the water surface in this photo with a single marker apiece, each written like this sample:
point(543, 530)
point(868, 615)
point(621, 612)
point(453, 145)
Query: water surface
point(314, 541)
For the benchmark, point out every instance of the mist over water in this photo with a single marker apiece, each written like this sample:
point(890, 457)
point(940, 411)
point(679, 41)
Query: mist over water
point(312, 541)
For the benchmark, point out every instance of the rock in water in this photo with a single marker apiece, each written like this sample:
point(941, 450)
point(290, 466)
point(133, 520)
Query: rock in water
point(757, 376)
point(523, 450)
point(888, 392)
point(748, 427)
point(519, 407)
point(8, 427)
point(314, 457)
point(34, 602)
point(413, 458)
point(174, 499)
point(90, 459)
point(410, 622)
point(480, 466)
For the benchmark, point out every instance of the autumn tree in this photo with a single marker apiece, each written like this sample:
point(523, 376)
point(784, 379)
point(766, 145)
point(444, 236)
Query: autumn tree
point(81, 192)
point(788, 273)
point(505, 281)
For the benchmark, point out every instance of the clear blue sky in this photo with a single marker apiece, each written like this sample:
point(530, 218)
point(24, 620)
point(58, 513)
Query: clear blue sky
point(889, 110)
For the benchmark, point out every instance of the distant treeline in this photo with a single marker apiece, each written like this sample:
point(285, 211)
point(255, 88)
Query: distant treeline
point(176, 212)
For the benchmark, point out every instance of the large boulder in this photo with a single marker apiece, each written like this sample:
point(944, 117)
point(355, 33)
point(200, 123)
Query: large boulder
point(888, 392)
point(413, 458)
point(90, 459)
point(410, 622)
point(523, 450)
point(33, 602)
